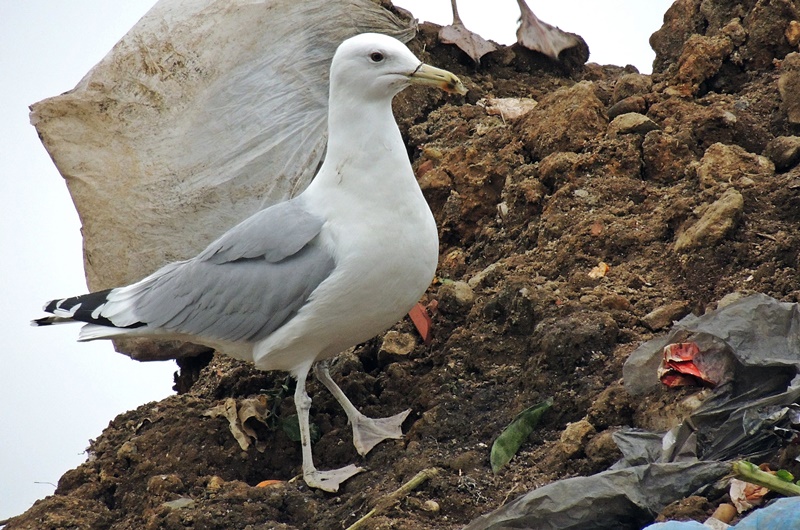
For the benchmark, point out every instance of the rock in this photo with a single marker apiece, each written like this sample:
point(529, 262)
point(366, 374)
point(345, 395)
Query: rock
point(602, 449)
point(717, 221)
point(616, 302)
point(631, 123)
point(180, 503)
point(792, 32)
point(630, 104)
point(735, 31)
point(481, 277)
point(630, 85)
point(784, 151)
point(557, 168)
point(431, 506)
point(789, 87)
point(564, 121)
point(455, 297)
point(574, 437)
point(701, 59)
point(664, 157)
point(397, 343)
point(148, 192)
point(663, 317)
point(160, 484)
point(681, 21)
point(727, 164)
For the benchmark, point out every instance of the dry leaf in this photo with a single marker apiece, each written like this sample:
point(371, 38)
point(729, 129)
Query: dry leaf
point(252, 408)
point(540, 36)
point(471, 43)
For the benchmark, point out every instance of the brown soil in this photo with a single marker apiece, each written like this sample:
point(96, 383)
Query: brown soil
point(526, 208)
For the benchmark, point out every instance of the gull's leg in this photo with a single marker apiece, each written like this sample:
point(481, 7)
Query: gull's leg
point(367, 432)
point(324, 480)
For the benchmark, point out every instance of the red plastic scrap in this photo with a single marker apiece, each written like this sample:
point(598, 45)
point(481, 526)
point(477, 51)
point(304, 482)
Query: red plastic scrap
point(422, 321)
point(679, 366)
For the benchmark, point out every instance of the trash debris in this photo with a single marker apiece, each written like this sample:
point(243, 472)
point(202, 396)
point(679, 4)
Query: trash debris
point(783, 513)
point(469, 42)
point(685, 365)
point(542, 37)
point(633, 495)
point(760, 337)
point(239, 417)
point(422, 321)
point(507, 108)
point(508, 443)
point(746, 496)
point(599, 271)
point(759, 477)
point(270, 483)
point(745, 415)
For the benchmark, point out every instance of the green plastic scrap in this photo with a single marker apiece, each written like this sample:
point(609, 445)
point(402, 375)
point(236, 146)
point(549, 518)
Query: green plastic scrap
point(508, 443)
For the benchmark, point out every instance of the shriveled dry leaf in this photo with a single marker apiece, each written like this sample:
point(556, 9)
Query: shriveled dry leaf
point(254, 409)
point(540, 36)
point(471, 43)
point(508, 108)
point(237, 416)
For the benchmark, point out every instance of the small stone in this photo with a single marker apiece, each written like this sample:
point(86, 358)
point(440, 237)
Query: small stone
point(574, 437)
point(735, 31)
point(629, 104)
point(430, 506)
point(784, 151)
point(663, 317)
point(630, 85)
point(792, 33)
point(170, 483)
point(455, 297)
point(719, 219)
point(127, 450)
point(215, 483)
point(701, 59)
point(178, 504)
point(479, 278)
point(616, 302)
point(631, 123)
point(726, 164)
point(397, 343)
point(603, 449)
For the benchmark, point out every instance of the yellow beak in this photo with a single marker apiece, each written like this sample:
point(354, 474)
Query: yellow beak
point(442, 79)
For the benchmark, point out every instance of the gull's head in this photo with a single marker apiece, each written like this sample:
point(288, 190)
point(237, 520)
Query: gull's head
point(376, 66)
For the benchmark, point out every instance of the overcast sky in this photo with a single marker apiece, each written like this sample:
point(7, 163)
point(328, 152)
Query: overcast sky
point(56, 394)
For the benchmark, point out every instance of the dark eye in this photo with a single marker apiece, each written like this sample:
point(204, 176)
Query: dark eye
point(376, 57)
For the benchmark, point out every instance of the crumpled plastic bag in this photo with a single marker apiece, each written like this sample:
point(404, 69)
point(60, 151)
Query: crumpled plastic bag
point(205, 112)
point(742, 418)
point(618, 499)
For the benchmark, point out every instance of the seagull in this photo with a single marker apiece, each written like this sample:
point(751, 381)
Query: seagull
point(303, 280)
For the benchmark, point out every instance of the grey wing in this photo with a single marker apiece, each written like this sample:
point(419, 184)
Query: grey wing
point(242, 287)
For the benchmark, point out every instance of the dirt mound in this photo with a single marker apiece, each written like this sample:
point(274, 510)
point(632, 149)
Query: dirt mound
point(685, 183)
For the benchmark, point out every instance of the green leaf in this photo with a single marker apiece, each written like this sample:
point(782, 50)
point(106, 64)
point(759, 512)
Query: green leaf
point(508, 443)
point(290, 425)
point(784, 475)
